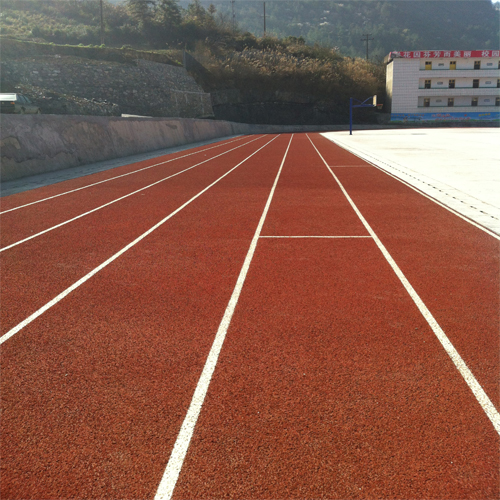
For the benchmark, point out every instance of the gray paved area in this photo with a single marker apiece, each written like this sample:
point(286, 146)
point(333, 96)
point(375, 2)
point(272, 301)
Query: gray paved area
point(458, 167)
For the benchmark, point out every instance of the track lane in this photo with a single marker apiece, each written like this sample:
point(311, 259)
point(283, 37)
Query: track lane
point(307, 203)
point(35, 272)
point(453, 265)
point(34, 220)
point(38, 195)
point(331, 384)
point(100, 383)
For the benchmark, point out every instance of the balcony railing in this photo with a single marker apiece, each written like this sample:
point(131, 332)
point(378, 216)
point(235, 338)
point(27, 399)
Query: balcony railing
point(453, 88)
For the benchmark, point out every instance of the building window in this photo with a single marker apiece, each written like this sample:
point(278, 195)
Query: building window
point(477, 64)
point(497, 101)
point(451, 102)
point(451, 84)
point(427, 84)
point(474, 101)
point(498, 83)
point(428, 64)
point(427, 102)
point(453, 64)
point(475, 84)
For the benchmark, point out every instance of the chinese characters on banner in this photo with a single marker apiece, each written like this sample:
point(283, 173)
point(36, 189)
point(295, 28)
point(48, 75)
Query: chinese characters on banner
point(428, 54)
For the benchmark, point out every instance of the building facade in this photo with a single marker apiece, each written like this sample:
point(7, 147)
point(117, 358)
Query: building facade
point(440, 85)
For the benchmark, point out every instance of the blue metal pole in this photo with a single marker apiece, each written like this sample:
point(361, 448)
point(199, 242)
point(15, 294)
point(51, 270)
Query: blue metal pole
point(350, 115)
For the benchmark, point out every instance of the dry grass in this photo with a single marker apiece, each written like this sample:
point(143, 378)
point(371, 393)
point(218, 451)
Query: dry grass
point(328, 77)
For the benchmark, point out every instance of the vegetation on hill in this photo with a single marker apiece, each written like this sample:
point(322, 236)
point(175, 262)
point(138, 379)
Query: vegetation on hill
point(161, 24)
point(158, 29)
point(393, 25)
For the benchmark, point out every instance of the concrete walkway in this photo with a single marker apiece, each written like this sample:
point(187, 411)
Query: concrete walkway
point(459, 167)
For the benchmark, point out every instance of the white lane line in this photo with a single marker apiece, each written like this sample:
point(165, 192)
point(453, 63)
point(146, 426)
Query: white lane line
point(350, 166)
point(376, 162)
point(174, 466)
point(118, 176)
point(327, 237)
point(119, 199)
point(464, 370)
point(74, 286)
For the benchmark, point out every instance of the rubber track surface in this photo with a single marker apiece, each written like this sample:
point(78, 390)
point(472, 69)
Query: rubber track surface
point(330, 383)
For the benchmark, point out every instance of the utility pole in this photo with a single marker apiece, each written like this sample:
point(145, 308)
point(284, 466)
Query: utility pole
point(234, 16)
point(102, 24)
point(264, 19)
point(366, 39)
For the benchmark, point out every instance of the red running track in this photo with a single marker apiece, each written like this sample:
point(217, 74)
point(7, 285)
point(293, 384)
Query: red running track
point(330, 382)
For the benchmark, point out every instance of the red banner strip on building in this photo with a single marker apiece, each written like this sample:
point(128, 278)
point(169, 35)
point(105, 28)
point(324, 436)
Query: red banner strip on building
point(432, 54)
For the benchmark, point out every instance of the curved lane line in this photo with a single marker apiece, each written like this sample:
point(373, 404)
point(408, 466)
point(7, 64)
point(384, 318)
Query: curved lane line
point(118, 199)
point(464, 370)
point(75, 285)
point(174, 466)
point(116, 177)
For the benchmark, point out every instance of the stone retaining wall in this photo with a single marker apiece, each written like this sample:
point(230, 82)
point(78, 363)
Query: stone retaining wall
point(139, 88)
point(33, 144)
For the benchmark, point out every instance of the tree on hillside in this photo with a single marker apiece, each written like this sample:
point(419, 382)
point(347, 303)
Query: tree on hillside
point(167, 24)
point(168, 13)
point(141, 10)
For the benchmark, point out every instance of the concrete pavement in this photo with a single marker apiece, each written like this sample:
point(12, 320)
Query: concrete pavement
point(459, 167)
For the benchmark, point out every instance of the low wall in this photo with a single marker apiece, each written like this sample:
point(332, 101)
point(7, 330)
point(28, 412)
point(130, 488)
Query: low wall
point(35, 144)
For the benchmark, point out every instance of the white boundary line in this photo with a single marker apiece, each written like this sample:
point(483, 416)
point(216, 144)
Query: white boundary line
point(174, 466)
point(75, 285)
point(118, 176)
point(327, 237)
point(118, 199)
point(464, 370)
point(374, 162)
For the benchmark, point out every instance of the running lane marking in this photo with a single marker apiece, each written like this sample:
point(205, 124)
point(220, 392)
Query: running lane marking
point(464, 370)
point(375, 162)
point(119, 199)
point(117, 177)
point(75, 285)
point(174, 466)
point(315, 237)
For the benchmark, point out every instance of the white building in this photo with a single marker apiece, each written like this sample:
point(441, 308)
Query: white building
point(443, 85)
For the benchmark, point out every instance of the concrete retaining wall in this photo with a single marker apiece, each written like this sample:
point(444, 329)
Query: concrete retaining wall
point(35, 144)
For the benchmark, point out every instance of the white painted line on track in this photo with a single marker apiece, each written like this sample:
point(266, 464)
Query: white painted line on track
point(326, 237)
point(75, 285)
point(174, 466)
point(464, 370)
point(376, 162)
point(118, 199)
point(118, 176)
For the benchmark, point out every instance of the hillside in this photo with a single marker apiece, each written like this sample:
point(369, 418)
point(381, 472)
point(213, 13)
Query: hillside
point(394, 25)
point(311, 61)
point(160, 24)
